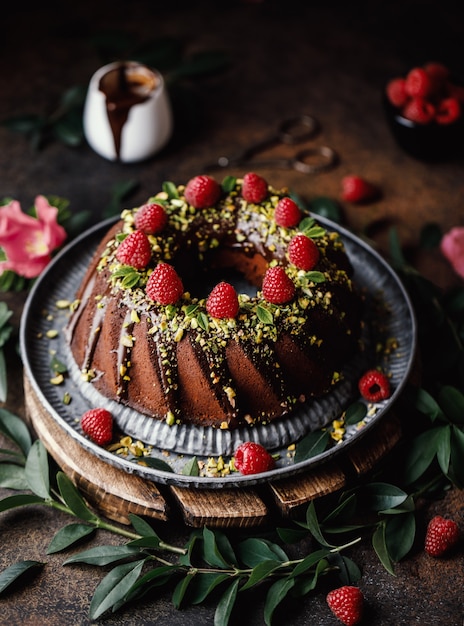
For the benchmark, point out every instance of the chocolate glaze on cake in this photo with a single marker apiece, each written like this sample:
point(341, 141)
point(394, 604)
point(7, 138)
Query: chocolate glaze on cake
point(177, 363)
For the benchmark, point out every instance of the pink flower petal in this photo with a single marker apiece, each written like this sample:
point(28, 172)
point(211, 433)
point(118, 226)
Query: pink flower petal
point(452, 248)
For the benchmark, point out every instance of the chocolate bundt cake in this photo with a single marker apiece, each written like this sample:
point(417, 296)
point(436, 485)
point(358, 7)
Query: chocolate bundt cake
point(216, 305)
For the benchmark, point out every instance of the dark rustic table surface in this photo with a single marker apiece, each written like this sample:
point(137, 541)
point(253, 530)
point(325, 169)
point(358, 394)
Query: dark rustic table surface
point(284, 58)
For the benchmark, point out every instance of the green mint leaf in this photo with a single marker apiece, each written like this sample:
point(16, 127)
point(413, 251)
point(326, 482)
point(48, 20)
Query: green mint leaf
point(157, 464)
point(228, 184)
point(114, 587)
point(170, 189)
point(191, 468)
point(11, 574)
point(355, 413)
point(16, 430)
point(68, 536)
point(264, 314)
point(315, 277)
point(37, 471)
point(311, 445)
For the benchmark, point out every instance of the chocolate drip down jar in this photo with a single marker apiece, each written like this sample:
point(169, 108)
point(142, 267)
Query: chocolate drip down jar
point(127, 113)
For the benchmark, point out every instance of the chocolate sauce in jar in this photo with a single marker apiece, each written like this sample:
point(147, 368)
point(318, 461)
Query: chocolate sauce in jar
point(125, 86)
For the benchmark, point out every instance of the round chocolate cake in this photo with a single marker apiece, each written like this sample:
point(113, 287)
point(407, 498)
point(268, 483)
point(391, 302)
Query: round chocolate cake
point(216, 305)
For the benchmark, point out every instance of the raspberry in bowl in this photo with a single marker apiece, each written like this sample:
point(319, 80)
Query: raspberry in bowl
point(425, 112)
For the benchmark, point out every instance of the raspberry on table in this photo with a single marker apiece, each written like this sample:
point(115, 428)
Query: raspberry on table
point(164, 285)
point(254, 188)
point(252, 458)
point(287, 213)
point(278, 287)
point(357, 189)
point(347, 604)
point(134, 250)
point(223, 302)
point(303, 252)
point(98, 425)
point(151, 218)
point(202, 191)
point(374, 386)
point(442, 534)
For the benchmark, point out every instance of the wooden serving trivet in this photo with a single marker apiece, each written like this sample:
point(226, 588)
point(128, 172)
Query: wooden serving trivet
point(116, 493)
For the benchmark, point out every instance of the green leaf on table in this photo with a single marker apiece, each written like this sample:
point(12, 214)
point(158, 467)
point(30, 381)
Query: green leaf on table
point(275, 595)
point(310, 561)
point(68, 536)
point(181, 589)
point(13, 502)
point(37, 470)
point(204, 584)
point(217, 550)
point(380, 546)
point(226, 604)
point(103, 555)
point(444, 448)
point(312, 524)
point(422, 451)
point(11, 574)
point(451, 400)
point(12, 476)
point(16, 430)
point(254, 550)
point(426, 404)
point(381, 496)
point(141, 527)
point(400, 532)
point(260, 572)
point(114, 587)
point(73, 499)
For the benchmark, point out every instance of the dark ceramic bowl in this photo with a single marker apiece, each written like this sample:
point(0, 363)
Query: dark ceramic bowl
point(426, 142)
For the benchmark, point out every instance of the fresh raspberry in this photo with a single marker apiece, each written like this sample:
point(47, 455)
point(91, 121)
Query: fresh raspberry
point(374, 386)
point(346, 603)
point(164, 285)
point(254, 188)
point(134, 250)
point(287, 213)
point(252, 458)
point(202, 191)
point(448, 111)
point(151, 218)
point(442, 534)
point(418, 83)
point(303, 252)
point(356, 189)
point(396, 92)
point(98, 425)
point(222, 302)
point(419, 110)
point(278, 287)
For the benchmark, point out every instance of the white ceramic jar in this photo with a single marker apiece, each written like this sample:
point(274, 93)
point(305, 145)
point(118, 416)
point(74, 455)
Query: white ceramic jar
point(127, 112)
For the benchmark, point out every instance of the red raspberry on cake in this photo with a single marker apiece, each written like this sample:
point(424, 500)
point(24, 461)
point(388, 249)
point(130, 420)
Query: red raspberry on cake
point(418, 83)
point(347, 604)
point(287, 213)
point(134, 250)
point(222, 302)
point(448, 111)
point(98, 425)
point(254, 188)
point(202, 191)
point(357, 189)
point(396, 92)
point(164, 285)
point(303, 252)
point(374, 386)
point(442, 534)
point(252, 458)
point(278, 287)
point(419, 110)
point(151, 218)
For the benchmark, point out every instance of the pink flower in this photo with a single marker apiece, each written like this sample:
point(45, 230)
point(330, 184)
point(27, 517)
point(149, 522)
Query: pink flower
point(28, 242)
point(452, 248)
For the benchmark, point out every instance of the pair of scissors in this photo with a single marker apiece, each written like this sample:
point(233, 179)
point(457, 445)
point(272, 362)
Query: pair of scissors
point(291, 131)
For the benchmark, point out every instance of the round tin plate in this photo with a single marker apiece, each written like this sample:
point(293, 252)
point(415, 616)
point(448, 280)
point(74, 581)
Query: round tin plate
point(388, 314)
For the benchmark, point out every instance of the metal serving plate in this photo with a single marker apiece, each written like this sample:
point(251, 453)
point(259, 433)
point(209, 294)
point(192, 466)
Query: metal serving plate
point(385, 297)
